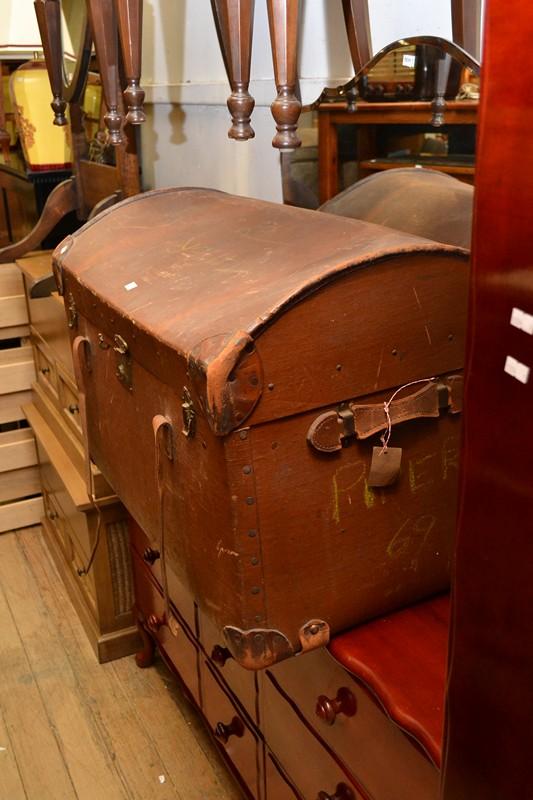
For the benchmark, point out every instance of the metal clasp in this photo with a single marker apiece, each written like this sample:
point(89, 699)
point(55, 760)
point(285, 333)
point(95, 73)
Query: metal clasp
point(124, 371)
point(189, 414)
point(72, 312)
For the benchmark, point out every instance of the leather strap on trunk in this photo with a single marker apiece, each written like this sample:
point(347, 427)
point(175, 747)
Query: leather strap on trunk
point(164, 451)
point(328, 430)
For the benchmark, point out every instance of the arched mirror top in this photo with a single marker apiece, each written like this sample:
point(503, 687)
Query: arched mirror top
point(405, 70)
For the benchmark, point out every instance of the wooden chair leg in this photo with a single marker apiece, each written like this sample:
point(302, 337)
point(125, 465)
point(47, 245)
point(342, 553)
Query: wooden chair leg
point(145, 656)
point(60, 202)
point(286, 108)
point(234, 24)
point(130, 13)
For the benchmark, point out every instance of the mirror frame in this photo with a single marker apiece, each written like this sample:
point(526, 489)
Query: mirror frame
point(342, 93)
point(73, 89)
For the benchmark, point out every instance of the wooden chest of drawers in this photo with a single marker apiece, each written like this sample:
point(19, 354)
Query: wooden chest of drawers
point(305, 728)
point(73, 526)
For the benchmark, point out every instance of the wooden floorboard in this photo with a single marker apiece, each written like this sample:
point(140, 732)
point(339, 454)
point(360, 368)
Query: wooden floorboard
point(75, 729)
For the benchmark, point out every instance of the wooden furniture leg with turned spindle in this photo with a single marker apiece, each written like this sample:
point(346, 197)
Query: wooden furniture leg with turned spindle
point(234, 24)
point(286, 108)
point(129, 16)
point(48, 14)
point(103, 21)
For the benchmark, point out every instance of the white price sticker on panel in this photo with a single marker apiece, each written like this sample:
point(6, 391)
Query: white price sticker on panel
point(522, 320)
point(408, 60)
point(516, 369)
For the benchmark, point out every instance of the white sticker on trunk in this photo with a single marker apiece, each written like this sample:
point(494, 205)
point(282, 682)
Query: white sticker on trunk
point(516, 369)
point(522, 320)
point(408, 60)
point(129, 286)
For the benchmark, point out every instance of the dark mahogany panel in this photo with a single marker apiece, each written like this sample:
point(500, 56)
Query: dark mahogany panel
point(490, 734)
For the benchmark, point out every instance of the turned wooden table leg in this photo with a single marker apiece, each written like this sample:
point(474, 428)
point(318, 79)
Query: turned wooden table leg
point(104, 27)
point(48, 14)
point(234, 24)
point(286, 108)
point(145, 656)
point(129, 14)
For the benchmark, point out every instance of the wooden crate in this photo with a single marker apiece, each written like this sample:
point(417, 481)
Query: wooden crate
point(20, 492)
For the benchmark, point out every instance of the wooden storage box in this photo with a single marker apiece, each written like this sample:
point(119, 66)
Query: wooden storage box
point(20, 494)
point(234, 358)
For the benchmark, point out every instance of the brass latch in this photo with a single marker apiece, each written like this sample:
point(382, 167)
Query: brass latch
point(124, 362)
point(189, 414)
point(72, 313)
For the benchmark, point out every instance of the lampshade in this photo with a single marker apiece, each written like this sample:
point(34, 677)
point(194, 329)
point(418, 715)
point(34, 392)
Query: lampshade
point(19, 34)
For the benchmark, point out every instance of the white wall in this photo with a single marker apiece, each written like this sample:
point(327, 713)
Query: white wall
point(184, 141)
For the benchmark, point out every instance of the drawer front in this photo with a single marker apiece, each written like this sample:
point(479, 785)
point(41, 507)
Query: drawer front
point(304, 759)
point(179, 595)
point(48, 319)
point(74, 558)
point(45, 369)
point(241, 681)
point(76, 521)
point(57, 523)
point(375, 750)
point(68, 440)
point(68, 402)
point(230, 729)
point(181, 651)
point(278, 786)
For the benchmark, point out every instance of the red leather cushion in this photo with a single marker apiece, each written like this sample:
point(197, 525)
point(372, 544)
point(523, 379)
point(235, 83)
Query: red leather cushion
point(402, 658)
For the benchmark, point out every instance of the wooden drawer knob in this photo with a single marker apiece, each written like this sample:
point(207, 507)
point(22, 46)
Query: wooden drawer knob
point(344, 703)
point(220, 655)
point(150, 555)
point(235, 728)
point(73, 408)
point(45, 370)
point(342, 792)
point(53, 515)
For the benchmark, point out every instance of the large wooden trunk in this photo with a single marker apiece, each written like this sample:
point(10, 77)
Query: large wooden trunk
point(234, 357)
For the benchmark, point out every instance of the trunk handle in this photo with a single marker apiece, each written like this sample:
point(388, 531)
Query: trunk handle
point(328, 431)
point(164, 445)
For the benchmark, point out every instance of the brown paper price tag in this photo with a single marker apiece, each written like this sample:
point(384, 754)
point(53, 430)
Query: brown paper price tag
point(385, 466)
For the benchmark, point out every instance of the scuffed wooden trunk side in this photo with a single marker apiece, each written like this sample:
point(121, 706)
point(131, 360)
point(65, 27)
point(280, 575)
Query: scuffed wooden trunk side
point(198, 535)
point(326, 550)
point(336, 550)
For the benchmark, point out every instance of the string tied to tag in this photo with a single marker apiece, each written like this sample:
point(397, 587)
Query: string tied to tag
point(385, 437)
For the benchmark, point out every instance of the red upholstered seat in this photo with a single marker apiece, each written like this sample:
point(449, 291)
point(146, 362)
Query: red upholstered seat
point(402, 659)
